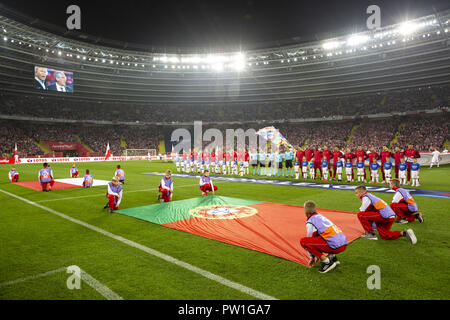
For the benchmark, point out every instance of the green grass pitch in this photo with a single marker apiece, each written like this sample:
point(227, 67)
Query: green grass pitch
point(34, 241)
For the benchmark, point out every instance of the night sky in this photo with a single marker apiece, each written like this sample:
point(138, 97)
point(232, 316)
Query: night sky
point(222, 23)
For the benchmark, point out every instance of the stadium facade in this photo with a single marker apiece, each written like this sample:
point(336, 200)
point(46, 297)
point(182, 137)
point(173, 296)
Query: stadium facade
point(400, 56)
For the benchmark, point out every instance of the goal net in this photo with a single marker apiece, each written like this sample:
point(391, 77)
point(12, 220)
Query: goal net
point(139, 152)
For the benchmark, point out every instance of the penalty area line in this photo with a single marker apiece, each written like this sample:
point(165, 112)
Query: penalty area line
point(153, 252)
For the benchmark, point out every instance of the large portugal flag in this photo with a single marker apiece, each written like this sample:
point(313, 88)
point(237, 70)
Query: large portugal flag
point(272, 228)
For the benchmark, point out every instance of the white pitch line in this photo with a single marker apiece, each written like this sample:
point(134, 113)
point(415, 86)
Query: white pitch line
point(170, 259)
point(8, 283)
point(86, 277)
point(99, 287)
point(103, 194)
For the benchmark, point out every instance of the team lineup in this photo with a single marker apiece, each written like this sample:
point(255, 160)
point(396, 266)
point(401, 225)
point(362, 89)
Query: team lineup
point(308, 163)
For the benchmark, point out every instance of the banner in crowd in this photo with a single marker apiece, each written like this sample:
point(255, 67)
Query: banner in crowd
point(274, 136)
point(57, 145)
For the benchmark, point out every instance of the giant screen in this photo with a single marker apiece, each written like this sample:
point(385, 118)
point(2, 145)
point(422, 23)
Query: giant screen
point(52, 80)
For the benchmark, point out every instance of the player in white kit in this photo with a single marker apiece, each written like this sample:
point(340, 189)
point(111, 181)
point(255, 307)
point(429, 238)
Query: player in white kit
point(435, 158)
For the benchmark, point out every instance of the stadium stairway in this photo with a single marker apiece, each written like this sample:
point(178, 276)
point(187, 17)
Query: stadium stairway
point(83, 144)
point(43, 147)
point(352, 132)
point(162, 145)
point(400, 128)
point(123, 143)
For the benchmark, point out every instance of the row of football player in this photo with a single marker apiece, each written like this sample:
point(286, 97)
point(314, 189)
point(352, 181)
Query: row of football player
point(327, 173)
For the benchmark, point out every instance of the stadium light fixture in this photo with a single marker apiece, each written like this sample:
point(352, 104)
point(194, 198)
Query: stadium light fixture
point(330, 45)
point(355, 40)
point(407, 28)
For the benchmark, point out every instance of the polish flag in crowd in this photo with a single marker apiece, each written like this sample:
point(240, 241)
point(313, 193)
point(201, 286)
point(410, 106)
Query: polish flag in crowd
point(16, 154)
point(108, 152)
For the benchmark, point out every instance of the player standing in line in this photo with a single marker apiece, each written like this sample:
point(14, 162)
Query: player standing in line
point(299, 154)
point(297, 169)
point(46, 178)
point(308, 153)
point(325, 165)
point(279, 159)
point(415, 170)
point(88, 180)
point(349, 172)
point(318, 163)
point(120, 174)
point(360, 153)
point(360, 170)
point(336, 155)
point(398, 155)
point(182, 164)
point(305, 168)
point(208, 160)
point(376, 211)
point(74, 171)
point(246, 161)
point(323, 237)
point(312, 170)
point(387, 170)
point(271, 164)
point(372, 155)
point(339, 167)
point(177, 162)
point(385, 155)
point(402, 168)
point(262, 162)
point(13, 175)
point(435, 158)
point(242, 168)
point(254, 161)
point(289, 156)
point(410, 155)
point(350, 155)
point(404, 205)
point(114, 195)
point(166, 188)
point(206, 184)
point(328, 155)
point(374, 166)
point(235, 166)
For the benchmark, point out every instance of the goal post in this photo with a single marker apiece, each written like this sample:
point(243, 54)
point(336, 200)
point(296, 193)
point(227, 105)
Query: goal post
point(139, 152)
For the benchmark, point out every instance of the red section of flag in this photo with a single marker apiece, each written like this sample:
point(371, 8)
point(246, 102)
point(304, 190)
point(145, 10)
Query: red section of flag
point(36, 185)
point(276, 229)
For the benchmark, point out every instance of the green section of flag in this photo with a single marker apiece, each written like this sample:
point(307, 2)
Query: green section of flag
point(179, 210)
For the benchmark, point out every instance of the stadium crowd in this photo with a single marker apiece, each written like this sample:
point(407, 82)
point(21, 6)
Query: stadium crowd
point(376, 103)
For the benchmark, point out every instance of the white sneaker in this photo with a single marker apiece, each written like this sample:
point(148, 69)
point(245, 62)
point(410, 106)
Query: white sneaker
point(411, 236)
point(370, 236)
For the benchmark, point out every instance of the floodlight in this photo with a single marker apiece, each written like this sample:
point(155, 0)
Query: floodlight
point(330, 45)
point(407, 28)
point(357, 39)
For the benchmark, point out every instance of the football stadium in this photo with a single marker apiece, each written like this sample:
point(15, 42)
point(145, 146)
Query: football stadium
point(302, 169)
